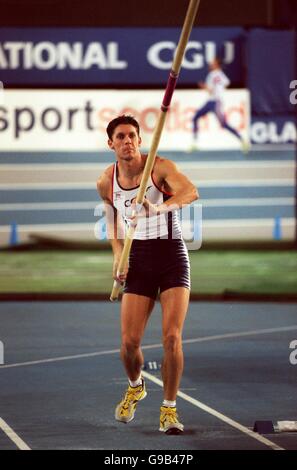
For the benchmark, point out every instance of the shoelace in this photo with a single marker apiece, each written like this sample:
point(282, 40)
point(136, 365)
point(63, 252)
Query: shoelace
point(170, 415)
point(129, 397)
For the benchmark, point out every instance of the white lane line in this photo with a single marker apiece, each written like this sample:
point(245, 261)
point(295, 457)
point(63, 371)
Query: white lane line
point(253, 164)
point(13, 436)
point(223, 183)
point(241, 334)
point(34, 228)
point(47, 206)
point(153, 346)
point(59, 359)
point(245, 223)
point(218, 415)
point(231, 183)
point(46, 186)
point(73, 166)
point(247, 202)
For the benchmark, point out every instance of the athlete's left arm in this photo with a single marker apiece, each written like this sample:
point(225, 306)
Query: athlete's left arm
point(226, 81)
point(174, 182)
point(182, 189)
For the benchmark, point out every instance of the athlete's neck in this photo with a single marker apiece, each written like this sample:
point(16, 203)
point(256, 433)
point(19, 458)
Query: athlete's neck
point(131, 168)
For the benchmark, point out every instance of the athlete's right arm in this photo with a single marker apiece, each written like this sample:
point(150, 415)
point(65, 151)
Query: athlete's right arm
point(114, 224)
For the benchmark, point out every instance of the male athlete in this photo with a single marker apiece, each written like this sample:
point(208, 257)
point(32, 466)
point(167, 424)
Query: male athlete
point(158, 262)
point(215, 83)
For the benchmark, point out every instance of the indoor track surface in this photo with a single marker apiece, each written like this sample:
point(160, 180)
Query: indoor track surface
point(62, 377)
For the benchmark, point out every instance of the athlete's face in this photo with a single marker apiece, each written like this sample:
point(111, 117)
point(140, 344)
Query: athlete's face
point(125, 142)
point(214, 65)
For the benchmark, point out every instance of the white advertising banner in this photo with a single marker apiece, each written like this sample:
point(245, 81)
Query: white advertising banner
point(75, 120)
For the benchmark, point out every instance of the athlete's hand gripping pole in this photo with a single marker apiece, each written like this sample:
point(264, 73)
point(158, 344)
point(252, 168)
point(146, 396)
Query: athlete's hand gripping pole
point(179, 54)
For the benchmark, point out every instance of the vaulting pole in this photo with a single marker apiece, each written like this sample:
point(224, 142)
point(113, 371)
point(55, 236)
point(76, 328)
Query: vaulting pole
point(173, 76)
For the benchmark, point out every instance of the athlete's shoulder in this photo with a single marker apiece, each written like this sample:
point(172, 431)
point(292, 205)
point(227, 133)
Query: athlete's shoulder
point(104, 182)
point(164, 166)
point(210, 74)
point(221, 75)
point(162, 161)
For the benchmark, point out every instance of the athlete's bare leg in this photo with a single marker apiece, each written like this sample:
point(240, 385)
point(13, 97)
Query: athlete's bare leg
point(174, 302)
point(135, 312)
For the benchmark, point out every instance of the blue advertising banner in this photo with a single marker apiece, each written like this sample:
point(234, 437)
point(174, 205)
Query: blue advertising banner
point(114, 56)
point(271, 70)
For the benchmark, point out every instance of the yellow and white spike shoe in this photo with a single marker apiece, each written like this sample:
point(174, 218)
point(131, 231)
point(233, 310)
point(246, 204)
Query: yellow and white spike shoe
point(245, 147)
point(193, 148)
point(169, 422)
point(125, 410)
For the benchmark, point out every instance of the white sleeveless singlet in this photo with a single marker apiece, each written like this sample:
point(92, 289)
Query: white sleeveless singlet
point(164, 225)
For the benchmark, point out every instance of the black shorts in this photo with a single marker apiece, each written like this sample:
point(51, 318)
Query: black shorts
point(157, 265)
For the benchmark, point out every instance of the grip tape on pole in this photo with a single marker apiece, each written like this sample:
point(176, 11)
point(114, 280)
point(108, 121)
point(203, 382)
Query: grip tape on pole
point(171, 84)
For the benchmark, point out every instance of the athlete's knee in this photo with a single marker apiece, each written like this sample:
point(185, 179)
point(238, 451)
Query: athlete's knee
point(222, 120)
point(172, 341)
point(197, 117)
point(130, 343)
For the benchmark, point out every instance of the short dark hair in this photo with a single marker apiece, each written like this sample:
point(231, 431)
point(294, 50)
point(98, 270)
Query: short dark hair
point(123, 119)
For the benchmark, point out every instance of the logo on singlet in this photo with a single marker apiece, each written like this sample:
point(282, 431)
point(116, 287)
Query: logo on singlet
point(117, 195)
point(128, 202)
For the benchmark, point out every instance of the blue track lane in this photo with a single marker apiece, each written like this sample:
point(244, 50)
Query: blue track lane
point(15, 196)
point(101, 157)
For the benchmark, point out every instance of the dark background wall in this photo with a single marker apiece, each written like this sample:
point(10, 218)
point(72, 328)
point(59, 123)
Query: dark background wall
point(271, 13)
